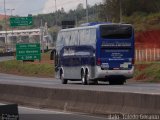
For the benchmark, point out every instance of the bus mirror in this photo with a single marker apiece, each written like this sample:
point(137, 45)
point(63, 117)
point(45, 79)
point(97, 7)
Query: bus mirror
point(56, 68)
point(53, 54)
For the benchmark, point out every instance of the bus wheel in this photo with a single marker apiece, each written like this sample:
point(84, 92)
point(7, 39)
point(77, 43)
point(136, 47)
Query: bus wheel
point(64, 81)
point(88, 81)
point(83, 78)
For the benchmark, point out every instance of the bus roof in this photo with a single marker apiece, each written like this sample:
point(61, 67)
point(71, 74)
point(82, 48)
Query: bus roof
point(93, 25)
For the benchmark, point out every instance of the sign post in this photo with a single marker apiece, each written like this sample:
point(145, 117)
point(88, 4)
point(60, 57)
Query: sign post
point(30, 51)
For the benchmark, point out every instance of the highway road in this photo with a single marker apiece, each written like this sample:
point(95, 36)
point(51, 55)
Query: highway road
point(26, 113)
point(147, 88)
point(6, 58)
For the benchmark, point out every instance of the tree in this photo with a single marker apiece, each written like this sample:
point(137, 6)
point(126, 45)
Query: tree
point(80, 7)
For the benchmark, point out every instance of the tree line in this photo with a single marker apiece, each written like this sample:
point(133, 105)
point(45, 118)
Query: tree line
point(112, 8)
point(108, 10)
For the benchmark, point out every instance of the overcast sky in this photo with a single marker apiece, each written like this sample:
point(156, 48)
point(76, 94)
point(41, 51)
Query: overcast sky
point(25, 7)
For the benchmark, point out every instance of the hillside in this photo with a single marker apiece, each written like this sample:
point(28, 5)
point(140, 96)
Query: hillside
point(148, 39)
point(147, 29)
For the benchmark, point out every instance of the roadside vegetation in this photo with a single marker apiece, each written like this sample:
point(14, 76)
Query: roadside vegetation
point(27, 68)
point(144, 15)
point(43, 68)
point(148, 72)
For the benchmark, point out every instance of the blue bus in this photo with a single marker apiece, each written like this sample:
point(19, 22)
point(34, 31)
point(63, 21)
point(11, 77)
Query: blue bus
point(92, 53)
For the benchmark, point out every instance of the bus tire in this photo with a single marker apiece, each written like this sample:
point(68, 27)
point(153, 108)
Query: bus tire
point(83, 78)
point(64, 81)
point(87, 79)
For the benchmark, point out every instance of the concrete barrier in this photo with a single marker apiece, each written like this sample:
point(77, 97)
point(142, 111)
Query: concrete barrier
point(93, 102)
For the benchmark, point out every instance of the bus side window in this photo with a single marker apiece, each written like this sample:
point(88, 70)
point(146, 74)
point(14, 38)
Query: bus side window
point(74, 38)
point(92, 39)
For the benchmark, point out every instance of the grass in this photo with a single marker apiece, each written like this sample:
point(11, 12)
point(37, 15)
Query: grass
point(149, 72)
point(45, 68)
point(27, 69)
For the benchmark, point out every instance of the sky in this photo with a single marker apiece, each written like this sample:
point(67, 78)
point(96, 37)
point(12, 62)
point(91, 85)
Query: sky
point(25, 7)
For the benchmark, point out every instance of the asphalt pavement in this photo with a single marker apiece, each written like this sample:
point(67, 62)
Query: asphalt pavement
point(146, 88)
point(6, 58)
point(39, 114)
point(26, 113)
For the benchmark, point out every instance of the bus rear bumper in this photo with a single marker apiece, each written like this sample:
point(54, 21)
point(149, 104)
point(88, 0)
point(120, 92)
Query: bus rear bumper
point(107, 73)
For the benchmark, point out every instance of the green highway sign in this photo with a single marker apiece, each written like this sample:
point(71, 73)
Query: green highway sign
point(29, 57)
point(27, 46)
point(29, 51)
point(21, 21)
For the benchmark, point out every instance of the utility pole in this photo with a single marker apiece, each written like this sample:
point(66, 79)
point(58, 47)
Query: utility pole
point(5, 26)
point(12, 30)
point(55, 6)
point(56, 12)
point(41, 36)
point(120, 13)
point(87, 11)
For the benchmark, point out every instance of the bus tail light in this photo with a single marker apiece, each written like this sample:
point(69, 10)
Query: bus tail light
point(98, 61)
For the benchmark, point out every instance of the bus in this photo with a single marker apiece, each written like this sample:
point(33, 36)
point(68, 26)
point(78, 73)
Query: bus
point(95, 52)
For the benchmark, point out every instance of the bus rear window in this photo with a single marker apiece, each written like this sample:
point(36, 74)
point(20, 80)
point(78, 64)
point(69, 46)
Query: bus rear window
point(116, 31)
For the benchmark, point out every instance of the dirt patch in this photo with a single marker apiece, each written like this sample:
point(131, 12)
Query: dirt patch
point(147, 72)
point(141, 67)
point(41, 62)
point(141, 77)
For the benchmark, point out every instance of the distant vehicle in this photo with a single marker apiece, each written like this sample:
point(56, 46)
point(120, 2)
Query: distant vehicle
point(9, 50)
point(100, 52)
